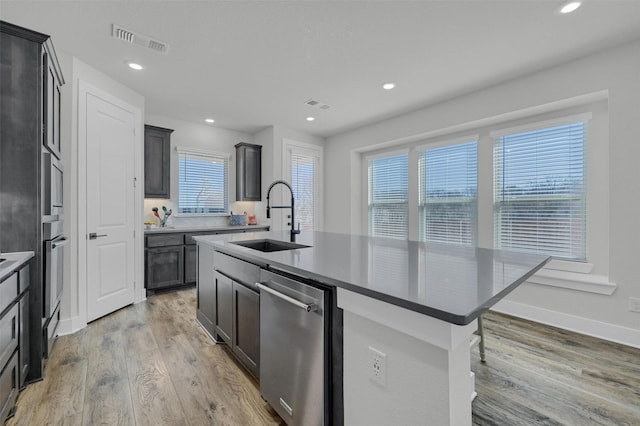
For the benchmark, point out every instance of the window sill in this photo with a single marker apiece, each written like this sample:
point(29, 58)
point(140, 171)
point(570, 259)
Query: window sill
point(590, 283)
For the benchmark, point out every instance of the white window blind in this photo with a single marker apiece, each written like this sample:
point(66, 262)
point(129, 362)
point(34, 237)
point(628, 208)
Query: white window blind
point(540, 191)
point(303, 176)
point(448, 193)
point(203, 183)
point(389, 196)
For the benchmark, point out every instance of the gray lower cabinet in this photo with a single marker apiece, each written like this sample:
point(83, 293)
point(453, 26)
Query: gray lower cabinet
point(8, 387)
point(165, 267)
point(206, 290)
point(9, 342)
point(172, 259)
point(23, 348)
point(246, 327)
point(224, 307)
point(190, 264)
point(228, 301)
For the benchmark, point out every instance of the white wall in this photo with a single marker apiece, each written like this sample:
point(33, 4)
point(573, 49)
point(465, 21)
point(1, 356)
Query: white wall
point(616, 71)
point(198, 136)
point(73, 307)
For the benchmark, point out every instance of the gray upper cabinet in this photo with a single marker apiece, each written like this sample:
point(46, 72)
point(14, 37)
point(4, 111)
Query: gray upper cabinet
point(157, 162)
point(248, 172)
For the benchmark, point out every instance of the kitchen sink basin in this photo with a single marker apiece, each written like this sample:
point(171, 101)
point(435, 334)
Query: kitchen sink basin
point(269, 245)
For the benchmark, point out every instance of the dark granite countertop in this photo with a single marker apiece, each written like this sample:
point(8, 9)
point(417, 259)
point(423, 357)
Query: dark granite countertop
point(170, 229)
point(451, 283)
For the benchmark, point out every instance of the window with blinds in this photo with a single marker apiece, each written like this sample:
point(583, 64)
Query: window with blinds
point(448, 193)
point(303, 176)
point(388, 181)
point(540, 191)
point(203, 183)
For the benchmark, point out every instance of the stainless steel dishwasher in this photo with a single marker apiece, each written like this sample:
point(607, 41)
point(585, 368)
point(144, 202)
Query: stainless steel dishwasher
point(293, 349)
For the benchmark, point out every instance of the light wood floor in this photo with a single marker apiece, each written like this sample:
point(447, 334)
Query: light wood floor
point(150, 364)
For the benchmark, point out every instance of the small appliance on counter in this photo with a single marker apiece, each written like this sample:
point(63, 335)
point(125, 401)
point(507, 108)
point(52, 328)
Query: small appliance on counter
point(238, 219)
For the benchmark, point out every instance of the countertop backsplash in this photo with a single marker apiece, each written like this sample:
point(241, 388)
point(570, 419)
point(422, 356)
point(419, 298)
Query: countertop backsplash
point(175, 220)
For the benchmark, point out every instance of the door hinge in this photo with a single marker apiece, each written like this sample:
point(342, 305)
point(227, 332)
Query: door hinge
point(135, 181)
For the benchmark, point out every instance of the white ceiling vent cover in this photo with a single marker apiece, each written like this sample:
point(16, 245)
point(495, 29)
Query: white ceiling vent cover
point(139, 39)
point(317, 104)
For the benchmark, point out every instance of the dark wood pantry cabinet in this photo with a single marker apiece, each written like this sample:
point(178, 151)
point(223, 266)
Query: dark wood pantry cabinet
point(157, 162)
point(30, 98)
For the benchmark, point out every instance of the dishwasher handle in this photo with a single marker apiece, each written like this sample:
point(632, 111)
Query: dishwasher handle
point(307, 307)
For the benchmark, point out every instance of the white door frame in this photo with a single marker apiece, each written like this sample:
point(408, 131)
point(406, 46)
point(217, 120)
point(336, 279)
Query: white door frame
point(85, 89)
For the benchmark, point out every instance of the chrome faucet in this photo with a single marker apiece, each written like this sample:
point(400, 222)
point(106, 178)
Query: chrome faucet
point(294, 231)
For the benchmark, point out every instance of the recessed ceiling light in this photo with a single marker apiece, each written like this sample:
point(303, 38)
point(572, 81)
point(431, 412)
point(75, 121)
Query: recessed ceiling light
point(135, 66)
point(388, 86)
point(209, 120)
point(310, 118)
point(569, 6)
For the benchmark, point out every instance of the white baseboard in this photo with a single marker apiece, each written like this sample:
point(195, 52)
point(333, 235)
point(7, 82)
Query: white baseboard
point(602, 330)
point(70, 326)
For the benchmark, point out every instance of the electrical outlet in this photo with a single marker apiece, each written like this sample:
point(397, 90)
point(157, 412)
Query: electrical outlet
point(378, 366)
point(634, 304)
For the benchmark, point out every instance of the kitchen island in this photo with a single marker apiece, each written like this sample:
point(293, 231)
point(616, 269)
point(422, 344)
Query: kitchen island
point(413, 304)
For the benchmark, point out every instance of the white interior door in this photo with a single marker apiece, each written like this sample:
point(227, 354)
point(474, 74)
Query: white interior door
point(110, 207)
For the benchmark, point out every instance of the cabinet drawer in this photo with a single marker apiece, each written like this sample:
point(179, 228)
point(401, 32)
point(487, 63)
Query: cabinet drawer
point(245, 272)
point(173, 239)
point(8, 292)
point(8, 387)
point(8, 334)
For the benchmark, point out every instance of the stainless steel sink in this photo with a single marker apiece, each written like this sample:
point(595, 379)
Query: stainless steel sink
point(269, 245)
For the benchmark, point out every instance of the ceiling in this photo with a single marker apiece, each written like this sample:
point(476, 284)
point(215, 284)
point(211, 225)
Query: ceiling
point(249, 65)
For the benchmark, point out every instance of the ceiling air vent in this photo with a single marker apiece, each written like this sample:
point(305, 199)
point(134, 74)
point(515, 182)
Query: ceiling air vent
point(139, 39)
point(317, 104)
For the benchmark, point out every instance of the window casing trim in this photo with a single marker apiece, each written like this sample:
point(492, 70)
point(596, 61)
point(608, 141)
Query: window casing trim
point(590, 276)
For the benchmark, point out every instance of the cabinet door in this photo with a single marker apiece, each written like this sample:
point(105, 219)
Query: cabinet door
point(165, 267)
point(157, 162)
point(8, 388)
point(190, 271)
point(224, 307)
point(206, 286)
point(248, 172)
point(23, 342)
point(246, 330)
point(49, 89)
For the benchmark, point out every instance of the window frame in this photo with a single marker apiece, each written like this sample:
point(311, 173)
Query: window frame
point(590, 276)
point(443, 144)
point(386, 154)
point(583, 118)
point(226, 157)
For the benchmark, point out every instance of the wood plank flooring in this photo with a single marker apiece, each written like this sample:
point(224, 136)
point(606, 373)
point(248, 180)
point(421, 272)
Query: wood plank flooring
point(147, 364)
point(151, 364)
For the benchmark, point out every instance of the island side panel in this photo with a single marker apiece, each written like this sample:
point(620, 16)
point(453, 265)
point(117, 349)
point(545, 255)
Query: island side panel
point(427, 373)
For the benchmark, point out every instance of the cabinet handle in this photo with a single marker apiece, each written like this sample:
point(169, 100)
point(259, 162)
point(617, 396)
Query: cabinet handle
point(309, 308)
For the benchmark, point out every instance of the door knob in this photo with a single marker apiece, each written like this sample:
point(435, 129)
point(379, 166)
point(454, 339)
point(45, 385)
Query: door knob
point(93, 235)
